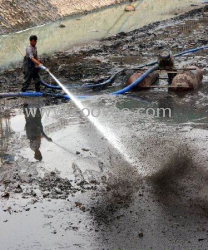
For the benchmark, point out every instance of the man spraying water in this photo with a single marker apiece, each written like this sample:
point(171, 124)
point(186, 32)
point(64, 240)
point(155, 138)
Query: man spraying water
point(31, 66)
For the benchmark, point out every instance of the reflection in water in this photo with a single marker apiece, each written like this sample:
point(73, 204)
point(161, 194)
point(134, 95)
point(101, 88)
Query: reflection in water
point(166, 107)
point(34, 129)
point(166, 103)
point(5, 133)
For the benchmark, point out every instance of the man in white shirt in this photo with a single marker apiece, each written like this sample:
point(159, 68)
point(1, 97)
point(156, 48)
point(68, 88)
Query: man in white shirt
point(32, 66)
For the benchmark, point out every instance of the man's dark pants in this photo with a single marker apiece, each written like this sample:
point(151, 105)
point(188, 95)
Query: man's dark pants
point(28, 77)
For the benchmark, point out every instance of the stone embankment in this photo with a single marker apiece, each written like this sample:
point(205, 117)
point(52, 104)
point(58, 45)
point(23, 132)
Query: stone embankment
point(21, 14)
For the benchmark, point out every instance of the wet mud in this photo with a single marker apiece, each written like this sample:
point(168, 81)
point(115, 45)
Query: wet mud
point(93, 194)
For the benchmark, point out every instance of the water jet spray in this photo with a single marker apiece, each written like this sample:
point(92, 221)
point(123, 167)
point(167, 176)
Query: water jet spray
point(105, 131)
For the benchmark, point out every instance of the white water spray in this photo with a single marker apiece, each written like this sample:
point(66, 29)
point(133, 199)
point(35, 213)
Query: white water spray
point(103, 130)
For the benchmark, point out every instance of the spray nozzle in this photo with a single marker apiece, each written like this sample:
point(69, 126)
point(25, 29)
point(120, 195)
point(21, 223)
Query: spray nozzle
point(44, 68)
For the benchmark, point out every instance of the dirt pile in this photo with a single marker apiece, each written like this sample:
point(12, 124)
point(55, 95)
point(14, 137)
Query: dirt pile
point(18, 14)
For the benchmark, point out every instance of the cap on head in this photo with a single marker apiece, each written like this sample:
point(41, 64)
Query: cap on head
point(33, 38)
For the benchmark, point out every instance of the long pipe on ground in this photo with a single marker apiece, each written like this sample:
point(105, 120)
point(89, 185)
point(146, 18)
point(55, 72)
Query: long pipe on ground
point(55, 86)
point(122, 91)
point(39, 94)
point(99, 85)
point(50, 86)
point(112, 78)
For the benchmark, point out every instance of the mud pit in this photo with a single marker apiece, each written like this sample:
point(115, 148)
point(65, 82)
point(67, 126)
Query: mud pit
point(84, 194)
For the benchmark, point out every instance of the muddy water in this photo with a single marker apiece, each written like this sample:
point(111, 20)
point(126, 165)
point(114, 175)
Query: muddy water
point(75, 140)
point(74, 137)
point(85, 28)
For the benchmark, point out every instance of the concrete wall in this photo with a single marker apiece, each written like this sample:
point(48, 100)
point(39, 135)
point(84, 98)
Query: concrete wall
point(20, 14)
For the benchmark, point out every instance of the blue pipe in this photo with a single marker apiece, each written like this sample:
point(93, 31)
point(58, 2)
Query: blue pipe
point(191, 51)
point(21, 94)
point(50, 86)
point(40, 94)
point(177, 55)
point(112, 78)
point(106, 83)
point(122, 91)
point(37, 94)
point(83, 86)
point(136, 82)
point(56, 86)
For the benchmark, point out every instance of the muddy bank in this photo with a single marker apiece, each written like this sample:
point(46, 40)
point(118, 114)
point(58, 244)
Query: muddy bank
point(84, 29)
point(18, 15)
point(96, 62)
point(83, 189)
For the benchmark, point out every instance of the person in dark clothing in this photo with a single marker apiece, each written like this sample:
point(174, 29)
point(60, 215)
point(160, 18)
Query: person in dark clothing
point(32, 66)
point(34, 129)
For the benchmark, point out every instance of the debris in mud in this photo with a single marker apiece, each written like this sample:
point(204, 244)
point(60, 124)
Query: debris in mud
point(5, 195)
point(79, 178)
point(129, 8)
point(141, 235)
point(62, 26)
point(9, 209)
point(94, 182)
point(33, 201)
point(85, 149)
point(80, 206)
point(29, 192)
point(53, 186)
point(18, 189)
point(205, 8)
point(200, 239)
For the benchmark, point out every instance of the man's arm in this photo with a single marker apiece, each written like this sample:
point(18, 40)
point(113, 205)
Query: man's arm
point(45, 136)
point(30, 54)
point(35, 61)
point(40, 65)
